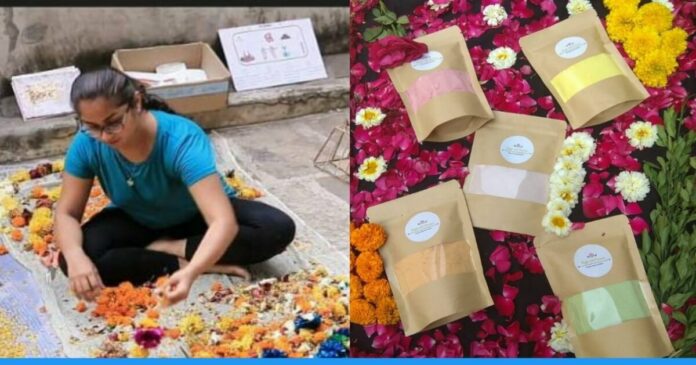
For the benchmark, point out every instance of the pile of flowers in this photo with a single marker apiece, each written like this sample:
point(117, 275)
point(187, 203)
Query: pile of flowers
point(304, 314)
point(371, 299)
point(648, 37)
point(566, 181)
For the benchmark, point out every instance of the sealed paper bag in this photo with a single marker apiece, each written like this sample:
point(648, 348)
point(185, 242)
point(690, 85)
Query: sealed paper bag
point(440, 90)
point(431, 258)
point(605, 295)
point(583, 69)
point(511, 160)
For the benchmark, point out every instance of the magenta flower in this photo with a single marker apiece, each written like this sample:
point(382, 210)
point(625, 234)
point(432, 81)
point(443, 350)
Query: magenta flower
point(148, 338)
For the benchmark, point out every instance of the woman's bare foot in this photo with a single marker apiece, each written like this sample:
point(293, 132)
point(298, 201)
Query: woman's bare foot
point(233, 270)
point(172, 247)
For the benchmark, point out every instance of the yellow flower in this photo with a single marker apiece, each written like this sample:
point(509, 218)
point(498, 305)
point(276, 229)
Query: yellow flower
point(369, 117)
point(674, 41)
point(655, 16)
point(58, 165)
point(615, 4)
point(655, 67)
point(557, 223)
point(138, 352)
point(193, 323)
point(20, 176)
point(620, 23)
point(148, 323)
point(372, 168)
point(54, 193)
point(641, 41)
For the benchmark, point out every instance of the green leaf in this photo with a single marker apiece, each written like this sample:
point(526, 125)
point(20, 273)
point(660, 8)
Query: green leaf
point(372, 33)
point(391, 15)
point(677, 300)
point(671, 126)
point(665, 318)
point(376, 12)
point(402, 19)
point(647, 243)
point(680, 317)
point(384, 20)
point(692, 162)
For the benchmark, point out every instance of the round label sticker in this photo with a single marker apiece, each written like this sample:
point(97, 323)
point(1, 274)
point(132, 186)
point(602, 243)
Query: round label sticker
point(422, 226)
point(428, 61)
point(517, 149)
point(571, 47)
point(593, 260)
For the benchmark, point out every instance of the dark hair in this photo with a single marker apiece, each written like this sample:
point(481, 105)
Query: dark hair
point(115, 86)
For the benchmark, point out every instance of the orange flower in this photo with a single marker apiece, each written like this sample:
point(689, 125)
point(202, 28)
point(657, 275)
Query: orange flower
point(3, 250)
point(355, 287)
point(172, 333)
point(81, 306)
point(352, 260)
point(387, 312)
point(369, 237)
point(39, 246)
point(119, 305)
point(18, 221)
point(217, 286)
point(152, 313)
point(37, 192)
point(376, 290)
point(369, 266)
point(362, 312)
point(16, 235)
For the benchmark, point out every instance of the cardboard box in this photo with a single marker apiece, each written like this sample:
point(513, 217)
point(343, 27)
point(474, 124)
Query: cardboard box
point(44, 94)
point(183, 98)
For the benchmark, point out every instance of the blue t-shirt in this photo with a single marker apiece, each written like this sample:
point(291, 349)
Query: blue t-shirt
point(159, 196)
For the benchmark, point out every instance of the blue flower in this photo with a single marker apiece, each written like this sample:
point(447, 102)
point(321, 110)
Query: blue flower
point(273, 353)
point(344, 331)
point(311, 321)
point(332, 349)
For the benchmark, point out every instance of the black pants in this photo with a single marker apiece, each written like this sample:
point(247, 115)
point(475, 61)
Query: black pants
point(116, 243)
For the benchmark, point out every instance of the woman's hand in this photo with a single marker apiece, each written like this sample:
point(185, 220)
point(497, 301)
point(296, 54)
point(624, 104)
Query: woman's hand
point(85, 281)
point(178, 286)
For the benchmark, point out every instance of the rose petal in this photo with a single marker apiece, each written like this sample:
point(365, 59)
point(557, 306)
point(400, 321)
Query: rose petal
point(638, 225)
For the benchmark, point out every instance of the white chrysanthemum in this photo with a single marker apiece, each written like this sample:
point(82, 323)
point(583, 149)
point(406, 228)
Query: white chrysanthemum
point(559, 206)
point(571, 180)
point(641, 134)
point(580, 143)
point(567, 193)
point(632, 185)
point(372, 168)
point(494, 15)
point(578, 6)
point(568, 163)
point(502, 58)
point(560, 341)
point(436, 6)
point(6, 187)
point(666, 3)
point(369, 117)
point(556, 223)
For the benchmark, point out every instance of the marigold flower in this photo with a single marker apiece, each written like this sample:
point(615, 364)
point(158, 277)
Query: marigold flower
point(655, 16)
point(16, 235)
point(18, 222)
point(620, 23)
point(376, 290)
point(369, 266)
point(362, 312)
point(387, 312)
point(368, 237)
point(356, 289)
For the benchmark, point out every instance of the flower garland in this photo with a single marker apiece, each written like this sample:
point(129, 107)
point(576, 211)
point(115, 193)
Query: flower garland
point(648, 38)
point(371, 298)
point(566, 181)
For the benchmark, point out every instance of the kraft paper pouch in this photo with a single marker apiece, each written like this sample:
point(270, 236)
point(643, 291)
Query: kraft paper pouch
point(605, 295)
point(511, 160)
point(431, 258)
point(440, 90)
point(583, 70)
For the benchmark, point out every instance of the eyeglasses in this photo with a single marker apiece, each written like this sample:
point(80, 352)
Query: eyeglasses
point(110, 127)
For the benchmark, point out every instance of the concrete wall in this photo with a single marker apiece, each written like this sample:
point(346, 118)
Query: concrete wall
point(36, 39)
